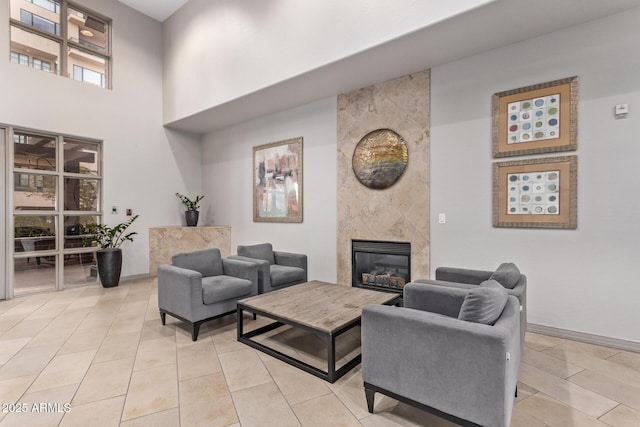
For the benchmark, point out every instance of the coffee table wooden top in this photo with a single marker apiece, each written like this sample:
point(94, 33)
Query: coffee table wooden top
point(319, 305)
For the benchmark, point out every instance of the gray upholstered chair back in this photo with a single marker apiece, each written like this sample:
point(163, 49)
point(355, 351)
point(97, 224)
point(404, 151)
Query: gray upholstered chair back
point(207, 262)
point(260, 251)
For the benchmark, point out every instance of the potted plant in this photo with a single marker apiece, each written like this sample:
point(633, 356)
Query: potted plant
point(110, 255)
point(191, 214)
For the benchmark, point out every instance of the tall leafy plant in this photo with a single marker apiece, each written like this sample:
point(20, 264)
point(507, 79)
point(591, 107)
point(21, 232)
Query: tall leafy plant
point(110, 237)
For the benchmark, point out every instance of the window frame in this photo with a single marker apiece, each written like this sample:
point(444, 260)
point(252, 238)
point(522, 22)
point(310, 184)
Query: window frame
point(66, 43)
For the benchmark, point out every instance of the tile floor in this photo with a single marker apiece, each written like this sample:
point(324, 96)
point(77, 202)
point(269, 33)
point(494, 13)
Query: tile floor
point(100, 357)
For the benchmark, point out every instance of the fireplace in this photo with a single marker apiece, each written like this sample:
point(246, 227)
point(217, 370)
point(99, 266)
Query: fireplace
point(384, 266)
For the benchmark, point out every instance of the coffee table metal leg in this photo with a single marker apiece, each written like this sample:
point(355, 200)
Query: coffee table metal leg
point(331, 359)
point(240, 321)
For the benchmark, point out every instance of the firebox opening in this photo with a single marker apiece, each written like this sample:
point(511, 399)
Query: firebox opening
point(380, 265)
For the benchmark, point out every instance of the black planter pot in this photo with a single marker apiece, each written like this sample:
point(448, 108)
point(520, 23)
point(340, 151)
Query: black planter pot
point(109, 266)
point(192, 218)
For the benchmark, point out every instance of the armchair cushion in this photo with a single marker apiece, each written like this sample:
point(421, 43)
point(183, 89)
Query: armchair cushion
point(207, 262)
point(261, 251)
point(282, 274)
point(484, 304)
point(222, 288)
point(507, 274)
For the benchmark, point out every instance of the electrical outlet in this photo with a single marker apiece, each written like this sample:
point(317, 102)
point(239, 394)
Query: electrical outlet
point(442, 218)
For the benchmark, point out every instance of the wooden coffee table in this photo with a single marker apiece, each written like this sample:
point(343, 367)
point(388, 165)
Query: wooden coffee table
point(322, 308)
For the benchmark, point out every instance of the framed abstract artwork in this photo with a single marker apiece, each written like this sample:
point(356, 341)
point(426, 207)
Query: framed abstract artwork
point(536, 119)
point(536, 193)
point(277, 181)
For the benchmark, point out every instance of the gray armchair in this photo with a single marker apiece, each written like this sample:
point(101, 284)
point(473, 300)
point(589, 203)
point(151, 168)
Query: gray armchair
point(201, 285)
point(276, 269)
point(424, 355)
point(507, 274)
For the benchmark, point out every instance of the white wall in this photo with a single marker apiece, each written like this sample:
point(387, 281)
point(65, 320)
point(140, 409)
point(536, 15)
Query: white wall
point(582, 280)
point(144, 164)
point(227, 183)
point(217, 51)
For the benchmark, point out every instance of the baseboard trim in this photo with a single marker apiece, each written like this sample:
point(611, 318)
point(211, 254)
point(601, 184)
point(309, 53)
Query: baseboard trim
point(134, 277)
point(584, 337)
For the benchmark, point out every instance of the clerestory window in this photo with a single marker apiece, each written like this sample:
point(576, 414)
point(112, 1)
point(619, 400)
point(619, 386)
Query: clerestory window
point(61, 37)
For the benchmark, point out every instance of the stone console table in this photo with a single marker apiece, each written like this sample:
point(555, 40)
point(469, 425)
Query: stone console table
point(167, 241)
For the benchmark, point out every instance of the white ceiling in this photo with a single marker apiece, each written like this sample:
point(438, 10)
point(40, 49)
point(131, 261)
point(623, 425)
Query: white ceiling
point(157, 9)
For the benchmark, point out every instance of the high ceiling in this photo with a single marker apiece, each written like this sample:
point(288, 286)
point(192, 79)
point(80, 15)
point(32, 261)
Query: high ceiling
point(157, 9)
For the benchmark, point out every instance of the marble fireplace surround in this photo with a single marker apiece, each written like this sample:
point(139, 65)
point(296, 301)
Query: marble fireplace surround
point(399, 213)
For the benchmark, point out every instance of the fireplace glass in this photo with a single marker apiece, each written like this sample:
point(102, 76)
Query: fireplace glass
point(381, 265)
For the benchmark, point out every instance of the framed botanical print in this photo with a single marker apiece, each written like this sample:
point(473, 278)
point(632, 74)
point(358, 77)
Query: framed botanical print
point(277, 181)
point(536, 119)
point(536, 193)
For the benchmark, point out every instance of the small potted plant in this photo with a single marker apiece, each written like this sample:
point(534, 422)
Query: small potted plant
point(110, 255)
point(191, 214)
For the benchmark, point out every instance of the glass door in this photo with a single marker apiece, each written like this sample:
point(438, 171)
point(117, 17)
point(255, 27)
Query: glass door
point(53, 191)
point(35, 212)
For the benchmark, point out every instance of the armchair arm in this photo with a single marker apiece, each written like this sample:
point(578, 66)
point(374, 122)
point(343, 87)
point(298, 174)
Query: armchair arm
point(462, 275)
point(264, 272)
point(459, 367)
point(435, 299)
point(179, 289)
point(291, 259)
point(242, 269)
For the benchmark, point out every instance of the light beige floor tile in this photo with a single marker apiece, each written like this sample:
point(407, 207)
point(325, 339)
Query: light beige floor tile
point(12, 389)
point(154, 353)
point(622, 416)
point(28, 361)
point(263, 404)
point(152, 329)
point(296, 385)
point(243, 369)
point(25, 329)
point(103, 413)
point(225, 336)
point(197, 360)
point(118, 347)
point(50, 310)
point(626, 358)
point(8, 348)
point(555, 413)
point(63, 370)
point(540, 342)
point(60, 329)
point(564, 391)
point(574, 355)
point(324, 410)
point(45, 408)
point(9, 320)
point(206, 401)
point(83, 340)
point(622, 392)
point(559, 368)
point(105, 380)
point(168, 418)
point(524, 391)
point(350, 390)
point(521, 419)
point(98, 318)
point(88, 301)
point(151, 390)
point(584, 348)
point(127, 322)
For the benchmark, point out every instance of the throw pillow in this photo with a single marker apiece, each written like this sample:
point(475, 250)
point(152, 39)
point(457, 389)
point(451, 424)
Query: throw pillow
point(484, 304)
point(507, 274)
